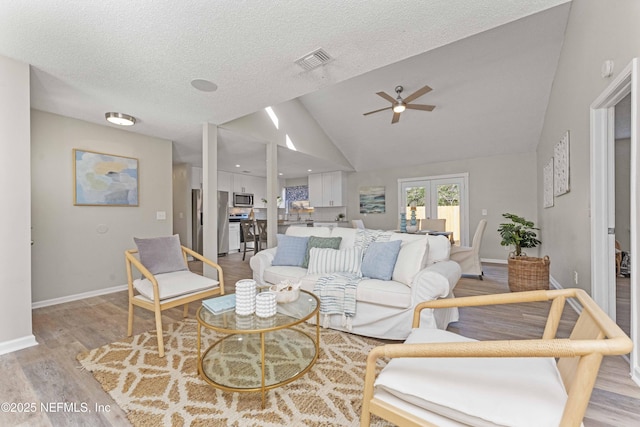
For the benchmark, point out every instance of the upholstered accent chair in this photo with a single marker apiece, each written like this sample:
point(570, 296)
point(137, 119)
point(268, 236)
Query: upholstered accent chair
point(166, 281)
point(357, 223)
point(469, 256)
point(440, 378)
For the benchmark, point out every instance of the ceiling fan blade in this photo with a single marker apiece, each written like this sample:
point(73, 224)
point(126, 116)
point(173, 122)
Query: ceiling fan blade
point(417, 94)
point(396, 117)
point(388, 97)
point(377, 111)
point(420, 107)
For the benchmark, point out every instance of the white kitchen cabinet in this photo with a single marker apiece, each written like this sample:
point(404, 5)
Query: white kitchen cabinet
point(234, 236)
point(327, 189)
point(240, 183)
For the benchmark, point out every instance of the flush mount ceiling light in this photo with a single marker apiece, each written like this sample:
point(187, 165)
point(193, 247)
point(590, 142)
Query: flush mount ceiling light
point(204, 85)
point(120, 119)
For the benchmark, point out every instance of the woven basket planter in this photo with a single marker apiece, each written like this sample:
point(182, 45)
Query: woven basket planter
point(528, 273)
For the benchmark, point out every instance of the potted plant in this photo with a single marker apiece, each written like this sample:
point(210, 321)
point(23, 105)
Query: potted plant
point(525, 273)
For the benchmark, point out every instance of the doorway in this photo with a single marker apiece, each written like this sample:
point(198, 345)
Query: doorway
point(438, 197)
point(603, 221)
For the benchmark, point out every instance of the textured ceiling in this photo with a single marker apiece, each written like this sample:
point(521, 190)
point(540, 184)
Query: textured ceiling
point(89, 57)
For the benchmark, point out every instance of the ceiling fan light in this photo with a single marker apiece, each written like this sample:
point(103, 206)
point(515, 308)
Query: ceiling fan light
point(399, 108)
point(120, 119)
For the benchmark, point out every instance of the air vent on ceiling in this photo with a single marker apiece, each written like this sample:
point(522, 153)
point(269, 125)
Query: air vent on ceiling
point(314, 59)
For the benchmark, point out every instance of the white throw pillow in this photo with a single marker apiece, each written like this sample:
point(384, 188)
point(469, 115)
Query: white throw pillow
point(439, 249)
point(327, 261)
point(411, 260)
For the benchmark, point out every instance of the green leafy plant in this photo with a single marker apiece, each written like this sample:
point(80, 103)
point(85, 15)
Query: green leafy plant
point(519, 233)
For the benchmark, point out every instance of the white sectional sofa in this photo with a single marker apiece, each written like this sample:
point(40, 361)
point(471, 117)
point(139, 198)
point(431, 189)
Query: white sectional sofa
point(384, 308)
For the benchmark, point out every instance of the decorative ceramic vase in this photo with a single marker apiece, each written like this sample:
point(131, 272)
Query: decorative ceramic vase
point(245, 297)
point(412, 229)
point(413, 217)
point(266, 304)
point(403, 222)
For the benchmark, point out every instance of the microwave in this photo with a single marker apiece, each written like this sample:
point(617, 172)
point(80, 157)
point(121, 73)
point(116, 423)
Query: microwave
point(243, 200)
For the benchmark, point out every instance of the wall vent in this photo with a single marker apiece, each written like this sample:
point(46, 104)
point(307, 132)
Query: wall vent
point(314, 59)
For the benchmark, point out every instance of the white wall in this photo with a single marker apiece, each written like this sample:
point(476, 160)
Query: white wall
point(499, 184)
point(15, 217)
point(596, 31)
point(182, 220)
point(71, 255)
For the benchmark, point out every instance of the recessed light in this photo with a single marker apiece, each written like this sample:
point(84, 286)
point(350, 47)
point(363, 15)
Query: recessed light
point(280, 173)
point(237, 166)
point(120, 119)
point(204, 85)
point(309, 170)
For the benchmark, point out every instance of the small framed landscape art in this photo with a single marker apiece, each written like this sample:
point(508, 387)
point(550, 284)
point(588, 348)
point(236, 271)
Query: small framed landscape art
point(104, 179)
point(372, 200)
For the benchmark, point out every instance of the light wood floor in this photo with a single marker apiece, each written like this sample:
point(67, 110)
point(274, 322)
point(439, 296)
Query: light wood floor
point(49, 372)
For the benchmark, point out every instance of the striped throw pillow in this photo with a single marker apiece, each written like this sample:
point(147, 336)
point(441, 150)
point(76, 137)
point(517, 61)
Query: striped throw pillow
point(327, 261)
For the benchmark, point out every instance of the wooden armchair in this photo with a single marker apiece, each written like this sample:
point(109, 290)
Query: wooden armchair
point(162, 291)
point(441, 378)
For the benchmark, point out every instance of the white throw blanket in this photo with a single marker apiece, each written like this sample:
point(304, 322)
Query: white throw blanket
point(337, 293)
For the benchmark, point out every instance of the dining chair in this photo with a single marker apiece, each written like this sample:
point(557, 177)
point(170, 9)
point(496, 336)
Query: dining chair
point(433, 224)
point(166, 281)
point(437, 377)
point(469, 256)
point(261, 235)
point(248, 237)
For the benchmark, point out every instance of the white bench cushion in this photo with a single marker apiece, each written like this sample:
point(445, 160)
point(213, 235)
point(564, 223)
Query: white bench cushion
point(384, 292)
point(277, 273)
point(175, 284)
point(477, 391)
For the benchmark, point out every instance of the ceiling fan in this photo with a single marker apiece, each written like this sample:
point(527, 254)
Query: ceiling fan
point(398, 105)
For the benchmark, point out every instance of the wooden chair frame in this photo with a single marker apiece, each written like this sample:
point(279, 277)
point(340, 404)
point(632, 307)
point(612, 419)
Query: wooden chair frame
point(594, 335)
point(158, 306)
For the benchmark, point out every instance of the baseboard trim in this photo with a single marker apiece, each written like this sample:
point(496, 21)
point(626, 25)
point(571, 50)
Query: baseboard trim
point(17, 344)
point(636, 376)
point(493, 261)
point(572, 302)
point(75, 297)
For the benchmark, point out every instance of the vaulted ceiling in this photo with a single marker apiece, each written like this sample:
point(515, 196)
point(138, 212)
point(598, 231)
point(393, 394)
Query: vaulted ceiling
point(490, 63)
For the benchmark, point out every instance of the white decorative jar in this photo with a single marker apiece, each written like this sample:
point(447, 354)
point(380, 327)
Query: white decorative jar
point(266, 304)
point(245, 297)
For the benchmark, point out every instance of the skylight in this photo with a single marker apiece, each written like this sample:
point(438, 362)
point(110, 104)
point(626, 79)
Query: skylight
point(273, 116)
point(290, 145)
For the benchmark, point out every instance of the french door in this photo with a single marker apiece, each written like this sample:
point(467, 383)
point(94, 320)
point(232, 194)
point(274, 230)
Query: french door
point(438, 197)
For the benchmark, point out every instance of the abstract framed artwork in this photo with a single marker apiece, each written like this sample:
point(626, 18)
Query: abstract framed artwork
point(548, 183)
point(104, 179)
point(372, 200)
point(561, 166)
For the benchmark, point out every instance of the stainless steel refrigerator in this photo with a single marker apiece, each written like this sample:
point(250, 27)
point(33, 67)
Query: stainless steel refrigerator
point(223, 223)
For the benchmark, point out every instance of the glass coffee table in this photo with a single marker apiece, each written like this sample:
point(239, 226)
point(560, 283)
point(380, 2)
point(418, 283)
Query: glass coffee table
point(259, 354)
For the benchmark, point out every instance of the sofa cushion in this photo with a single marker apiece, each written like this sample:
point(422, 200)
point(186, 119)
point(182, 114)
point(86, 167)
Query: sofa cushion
point(320, 242)
point(439, 249)
point(175, 284)
point(447, 382)
point(308, 231)
point(327, 261)
point(384, 292)
point(276, 274)
point(161, 254)
point(291, 250)
point(380, 259)
point(411, 259)
point(348, 236)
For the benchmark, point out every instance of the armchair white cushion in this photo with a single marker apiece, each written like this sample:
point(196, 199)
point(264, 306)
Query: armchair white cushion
point(445, 379)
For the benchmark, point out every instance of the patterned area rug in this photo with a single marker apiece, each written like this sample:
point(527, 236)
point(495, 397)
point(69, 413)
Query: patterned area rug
point(167, 391)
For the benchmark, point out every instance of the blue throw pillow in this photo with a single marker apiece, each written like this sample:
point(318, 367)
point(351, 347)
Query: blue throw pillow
point(291, 250)
point(380, 259)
